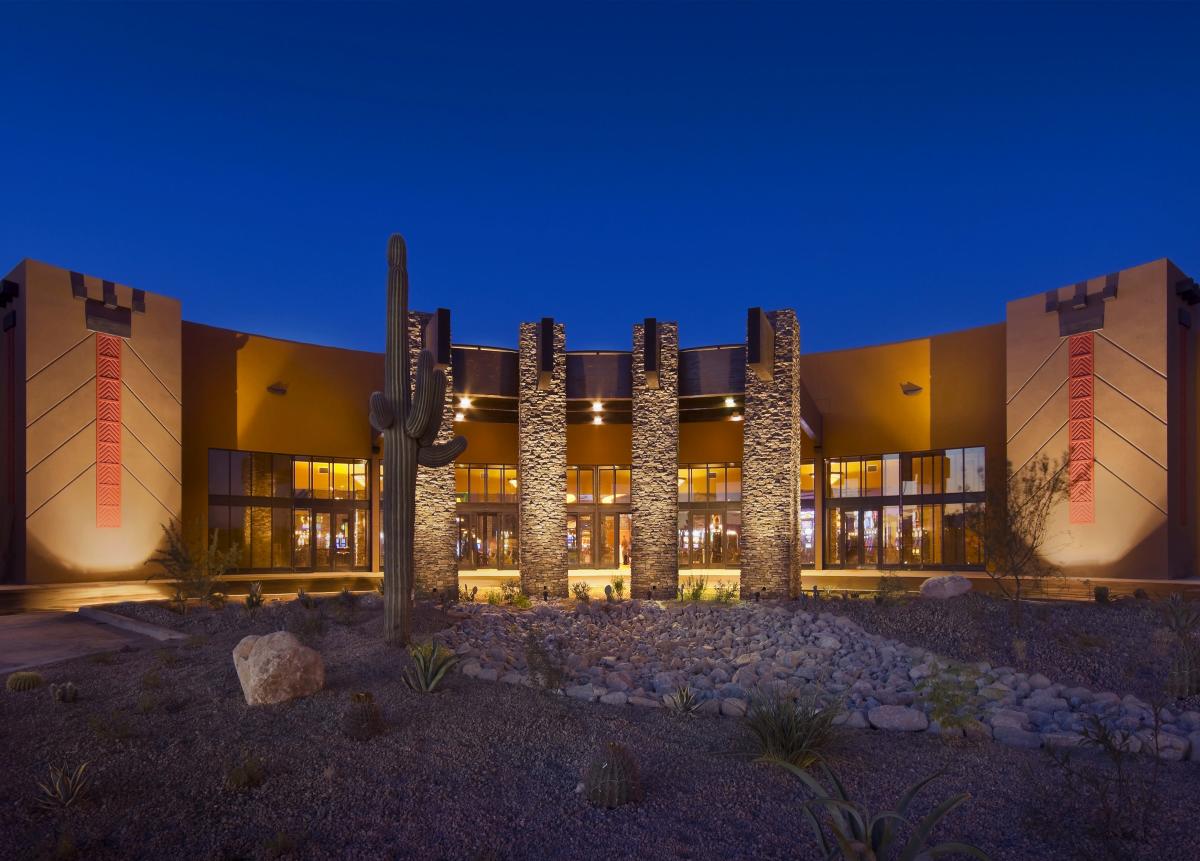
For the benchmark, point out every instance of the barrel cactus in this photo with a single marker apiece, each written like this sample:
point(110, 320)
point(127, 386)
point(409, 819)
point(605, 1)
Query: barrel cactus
point(409, 420)
point(23, 681)
point(612, 778)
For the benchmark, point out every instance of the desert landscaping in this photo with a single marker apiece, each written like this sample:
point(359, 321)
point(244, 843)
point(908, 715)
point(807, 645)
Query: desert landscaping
point(497, 760)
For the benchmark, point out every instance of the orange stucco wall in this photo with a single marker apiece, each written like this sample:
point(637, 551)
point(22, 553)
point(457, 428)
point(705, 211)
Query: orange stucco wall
point(600, 444)
point(488, 442)
point(710, 442)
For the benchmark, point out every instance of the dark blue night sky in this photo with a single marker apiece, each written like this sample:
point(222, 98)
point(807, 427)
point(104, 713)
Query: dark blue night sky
point(890, 172)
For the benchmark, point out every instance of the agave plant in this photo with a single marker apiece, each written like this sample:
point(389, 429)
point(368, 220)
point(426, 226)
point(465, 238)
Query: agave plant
point(787, 732)
point(429, 664)
point(65, 787)
point(1181, 617)
point(683, 701)
point(860, 835)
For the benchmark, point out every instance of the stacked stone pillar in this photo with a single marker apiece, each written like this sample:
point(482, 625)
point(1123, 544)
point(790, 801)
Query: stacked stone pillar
point(542, 454)
point(654, 490)
point(434, 567)
point(771, 456)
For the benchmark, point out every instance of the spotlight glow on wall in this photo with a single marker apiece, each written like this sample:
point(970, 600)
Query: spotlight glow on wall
point(597, 420)
point(458, 416)
point(736, 417)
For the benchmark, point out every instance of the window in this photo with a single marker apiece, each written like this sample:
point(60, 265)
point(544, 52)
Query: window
point(904, 509)
point(482, 483)
point(262, 504)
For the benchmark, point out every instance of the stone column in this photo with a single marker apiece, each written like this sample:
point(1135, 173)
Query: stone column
point(771, 456)
point(654, 489)
point(542, 447)
point(434, 565)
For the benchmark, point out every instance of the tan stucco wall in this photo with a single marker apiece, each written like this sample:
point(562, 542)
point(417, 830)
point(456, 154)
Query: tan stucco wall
point(227, 405)
point(63, 542)
point(1129, 535)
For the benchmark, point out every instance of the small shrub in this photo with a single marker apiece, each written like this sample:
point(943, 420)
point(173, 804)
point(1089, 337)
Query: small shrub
point(23, 680)
point(429, 665)
point(725, 593)
point(308, 602)
point(1183, 678)
point(308, 625)
point(789, 732)
point(546, 663)
point(522, 601)
point(254, 597)
point(217, 600)
point(582, 591)
point(889, 590)
point(1102, 595)
point(859, 834)
point(364, 719)
point(250, 773)
point(465, 595)
point(195, 572)
point(510, 589)
point(280, 846)
point(683, 701)
point(618, 586)
point(950, 691)
point(1020, 650)
point(379, 586)
point(691, 589)
point(494, 597)
point(65, 788)
point(67, 692)
point(347, 599)
point(113, 726)
point(1182, 618)
point(612, 778)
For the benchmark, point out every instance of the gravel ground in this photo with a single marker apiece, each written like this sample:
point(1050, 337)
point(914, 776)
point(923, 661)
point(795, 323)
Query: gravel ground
point(1120, 647)
point(480, 770)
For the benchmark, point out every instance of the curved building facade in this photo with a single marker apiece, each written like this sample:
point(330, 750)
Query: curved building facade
point(751, 462)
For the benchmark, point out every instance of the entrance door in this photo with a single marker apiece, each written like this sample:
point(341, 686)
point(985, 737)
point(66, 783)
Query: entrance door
point(323, 541)
point(699, 542)
point(608, 541)
point(579, 541)
point(871, 519)
point(624, 540)
point(851, 550)
point(343, 542)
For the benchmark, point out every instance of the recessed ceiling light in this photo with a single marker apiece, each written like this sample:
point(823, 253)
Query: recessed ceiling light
point(597, 406)
point(465, 402)
point(730, 402)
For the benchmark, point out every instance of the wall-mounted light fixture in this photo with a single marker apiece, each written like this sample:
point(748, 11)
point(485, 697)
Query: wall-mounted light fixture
point(909, 388)
point(278, 388)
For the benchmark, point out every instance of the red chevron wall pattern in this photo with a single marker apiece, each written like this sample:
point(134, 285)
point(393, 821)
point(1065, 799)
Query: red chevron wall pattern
point(108, 431)
point(1081, 427)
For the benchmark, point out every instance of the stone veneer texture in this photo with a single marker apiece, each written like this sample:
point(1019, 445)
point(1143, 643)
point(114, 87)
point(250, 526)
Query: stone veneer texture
point(542, 434)
point(771, 469)
point(655, 491)
point(434, 565)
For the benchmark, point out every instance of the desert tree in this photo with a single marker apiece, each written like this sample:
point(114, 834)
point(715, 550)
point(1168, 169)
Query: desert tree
point(1016, 527)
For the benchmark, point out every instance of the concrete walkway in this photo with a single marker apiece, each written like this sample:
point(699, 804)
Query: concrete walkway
point(37, 638)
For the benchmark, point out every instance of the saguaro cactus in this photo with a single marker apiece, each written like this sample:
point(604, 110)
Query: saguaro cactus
point(409, 423)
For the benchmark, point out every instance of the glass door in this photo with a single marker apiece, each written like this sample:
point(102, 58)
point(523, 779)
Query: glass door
point(465, 545)
point(851, 551)
point(343, 542)
point(322, 540)
point(870, 537)
point(716, 539)
point(699, 533)
point(302, 551)
point(624, 539)
point(608, 541)
point(685, 556)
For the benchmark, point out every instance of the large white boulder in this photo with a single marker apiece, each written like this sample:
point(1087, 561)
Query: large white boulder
point(277, 668)
point(948, 586)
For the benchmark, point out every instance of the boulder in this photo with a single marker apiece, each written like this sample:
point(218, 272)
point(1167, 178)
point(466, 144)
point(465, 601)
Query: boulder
point(948, 586)
point(900, 718)
point(277, 668)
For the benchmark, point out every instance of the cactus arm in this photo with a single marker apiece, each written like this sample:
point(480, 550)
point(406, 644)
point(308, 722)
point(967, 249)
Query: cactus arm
point(442, 453)
point(438, 385)
point(425, 412)
point(381, 416)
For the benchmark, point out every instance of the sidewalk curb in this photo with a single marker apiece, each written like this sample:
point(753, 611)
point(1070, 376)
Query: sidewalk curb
point(127, 624)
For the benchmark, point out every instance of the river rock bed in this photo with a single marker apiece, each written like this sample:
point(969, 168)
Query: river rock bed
point(639, 654)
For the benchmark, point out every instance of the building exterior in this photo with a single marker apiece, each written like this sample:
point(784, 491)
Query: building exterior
point(753, 461)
